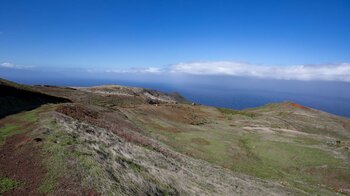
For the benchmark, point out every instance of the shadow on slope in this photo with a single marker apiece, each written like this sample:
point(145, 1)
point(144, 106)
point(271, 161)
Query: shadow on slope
point(15, 98)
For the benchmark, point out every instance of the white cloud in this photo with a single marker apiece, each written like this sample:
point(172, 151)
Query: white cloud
point(138, 70)
point(330, 72)
point(15, 66)
point(7, 65)
point(327, 72)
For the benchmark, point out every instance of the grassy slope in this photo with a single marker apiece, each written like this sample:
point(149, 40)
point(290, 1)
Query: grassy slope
point(18, 123)
point(221, 137)
point(73, 154)
point(12, 125)
point(56, 153)
point(297, 160)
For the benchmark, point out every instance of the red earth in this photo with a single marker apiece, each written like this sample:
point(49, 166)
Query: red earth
point(300, 106)
point(20, 159)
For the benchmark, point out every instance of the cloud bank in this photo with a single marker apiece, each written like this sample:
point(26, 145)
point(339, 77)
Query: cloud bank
point(336, 72)
point(138, 70)
point(328, 72)
point(325, 72)
point(7, 65)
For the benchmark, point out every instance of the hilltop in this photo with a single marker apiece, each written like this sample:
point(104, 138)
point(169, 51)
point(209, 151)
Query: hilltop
point(133, 141)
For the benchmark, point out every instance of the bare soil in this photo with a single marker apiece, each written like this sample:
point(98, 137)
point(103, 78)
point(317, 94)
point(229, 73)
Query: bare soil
point(20, 159)
point(299, 106)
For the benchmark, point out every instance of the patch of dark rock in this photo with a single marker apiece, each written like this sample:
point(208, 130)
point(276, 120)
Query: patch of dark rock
point(90, 131)
point(38, 139)
point(152, 101)
point(333, 143)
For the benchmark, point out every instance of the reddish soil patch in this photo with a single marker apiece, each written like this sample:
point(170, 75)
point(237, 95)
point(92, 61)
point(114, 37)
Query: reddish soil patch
point(7, 120)
point(299, 106)
point(20, 159)
point(72, 186)
point(79, 112)
point(104, 119)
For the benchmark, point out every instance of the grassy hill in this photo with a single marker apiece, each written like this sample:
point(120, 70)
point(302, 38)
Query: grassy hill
point(133, 141)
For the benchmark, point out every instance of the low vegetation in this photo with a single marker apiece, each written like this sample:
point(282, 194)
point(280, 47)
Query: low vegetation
point(229, 112)
point(111, 140)
point(264, 150)
point(7, 184)
point(63, 161)
point(7, 131)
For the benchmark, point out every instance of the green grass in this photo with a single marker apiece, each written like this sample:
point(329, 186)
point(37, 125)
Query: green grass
point(8, 130)
point(7, 184)
point(213, 148)
point(17, 123)
point(58, 147)
point(286, 155)
point(282, 160)
point(237, 112)
point(56, 165)
point(55, 146)
point(274, 158)
point(307, 141)
point(20, 124)
point(30, 116)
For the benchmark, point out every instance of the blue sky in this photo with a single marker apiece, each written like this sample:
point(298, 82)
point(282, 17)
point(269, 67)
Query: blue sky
point(150, 34)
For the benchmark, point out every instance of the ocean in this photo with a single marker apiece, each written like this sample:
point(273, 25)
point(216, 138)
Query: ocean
point(229, 92)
